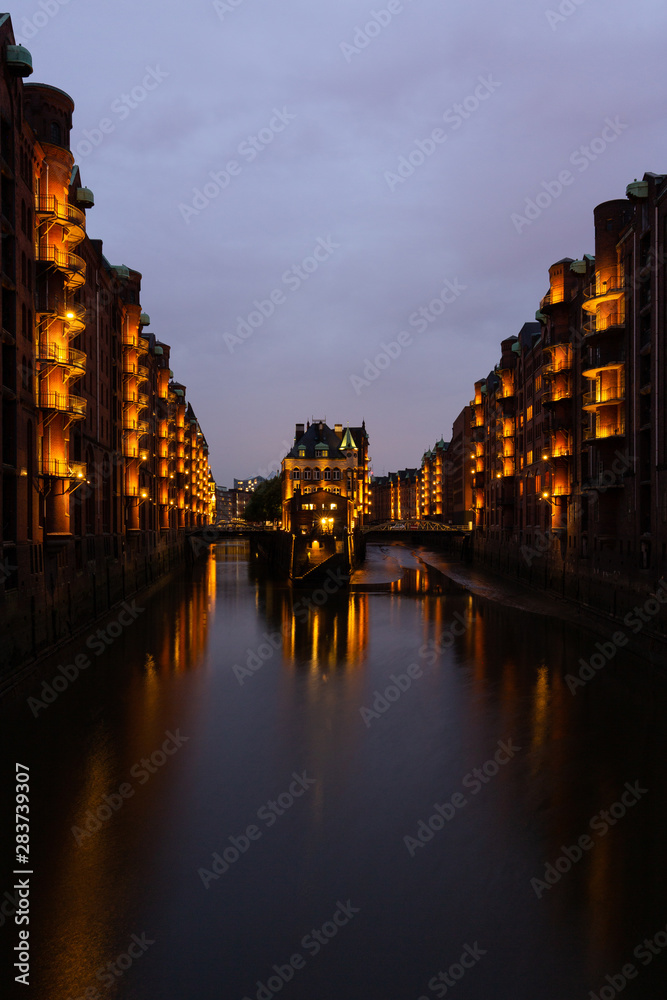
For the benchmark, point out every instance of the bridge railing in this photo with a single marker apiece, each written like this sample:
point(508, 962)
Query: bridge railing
point(414, 526)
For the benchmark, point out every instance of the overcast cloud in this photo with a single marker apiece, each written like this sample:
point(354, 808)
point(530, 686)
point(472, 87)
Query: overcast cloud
point(332, 120)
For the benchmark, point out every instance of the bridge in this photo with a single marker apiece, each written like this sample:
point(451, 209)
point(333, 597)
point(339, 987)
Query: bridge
point(391, 526)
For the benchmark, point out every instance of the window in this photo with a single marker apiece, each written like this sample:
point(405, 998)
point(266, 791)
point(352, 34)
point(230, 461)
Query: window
point(336, 474)
point(529, 413)
point(327, 473)
point(55, 133)
point(538, 383)
point(333, 506)
point(306, 473)
point(316, 473)
point(529, 457)
point(296, 474)
point(302, 452)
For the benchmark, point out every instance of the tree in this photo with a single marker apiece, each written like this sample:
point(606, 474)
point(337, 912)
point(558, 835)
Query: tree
point(266, 503)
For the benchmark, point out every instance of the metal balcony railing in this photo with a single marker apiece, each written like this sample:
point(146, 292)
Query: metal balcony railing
point(66, 357)
point(73, 266)
point(615, 394)
point(63, 470)
point(63, 403)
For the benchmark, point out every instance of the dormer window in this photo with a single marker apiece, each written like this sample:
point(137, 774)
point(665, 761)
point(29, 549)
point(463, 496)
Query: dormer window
point(302, 452)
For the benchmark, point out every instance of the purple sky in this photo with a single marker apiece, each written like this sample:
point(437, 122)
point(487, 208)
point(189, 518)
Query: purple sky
point(227, 71)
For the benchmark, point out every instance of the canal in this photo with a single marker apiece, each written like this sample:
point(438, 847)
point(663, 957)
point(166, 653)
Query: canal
point(391, 792)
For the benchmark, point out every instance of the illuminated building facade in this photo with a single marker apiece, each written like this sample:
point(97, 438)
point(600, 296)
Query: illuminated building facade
point(560, 460)
point(435, 491)
point(104, 464)
point(335, 461)
point(248, 485)
point(569, 481)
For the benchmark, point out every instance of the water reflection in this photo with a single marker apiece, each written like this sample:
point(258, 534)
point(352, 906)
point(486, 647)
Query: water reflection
point(488, 673)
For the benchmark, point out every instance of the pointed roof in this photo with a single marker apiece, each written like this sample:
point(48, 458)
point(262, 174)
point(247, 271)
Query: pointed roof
point(348, 441)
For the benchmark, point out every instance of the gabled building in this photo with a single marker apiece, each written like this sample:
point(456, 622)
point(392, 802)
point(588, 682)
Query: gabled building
point(335, 461)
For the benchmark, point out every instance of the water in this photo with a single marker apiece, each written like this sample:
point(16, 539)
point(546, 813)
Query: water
point(262, 695)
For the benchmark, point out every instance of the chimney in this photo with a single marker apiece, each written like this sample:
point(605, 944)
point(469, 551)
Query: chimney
point(298, 432)
point(338, 430)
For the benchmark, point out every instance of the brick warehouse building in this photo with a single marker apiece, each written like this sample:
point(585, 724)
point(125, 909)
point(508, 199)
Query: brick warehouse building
point(569, 449)
point(104, 464)
point(562, 461)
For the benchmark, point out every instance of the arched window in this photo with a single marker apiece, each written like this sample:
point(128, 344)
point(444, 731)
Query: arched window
point(336, 474)
point(296, 474)
point(327, 473)
point(306, 473)
point(316, 473)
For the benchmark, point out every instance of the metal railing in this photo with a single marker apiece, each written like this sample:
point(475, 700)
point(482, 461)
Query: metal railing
point(63, 402)
point(66, 356)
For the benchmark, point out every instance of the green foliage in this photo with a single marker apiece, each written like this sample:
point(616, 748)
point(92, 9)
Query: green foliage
point(266, 503)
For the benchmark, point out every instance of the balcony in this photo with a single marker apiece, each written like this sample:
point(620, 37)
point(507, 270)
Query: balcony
point(604, 397)
point(72, 266)
point(132, 424)
point(561, 450)
point(71, 218)
point(609, 288)
point(604, 360)
point(63, 403)
point(613, 323)
point(64, 470)
point(66, 357)
point(559, 364)
point(142, 371)
point(561, 490)
point(556, 394)
point(606, 431)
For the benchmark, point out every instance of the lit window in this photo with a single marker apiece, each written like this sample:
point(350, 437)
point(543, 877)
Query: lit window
point(529, 457)
point(529, 413)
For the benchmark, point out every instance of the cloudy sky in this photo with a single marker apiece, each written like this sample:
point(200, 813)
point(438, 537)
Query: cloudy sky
point(306, 185)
